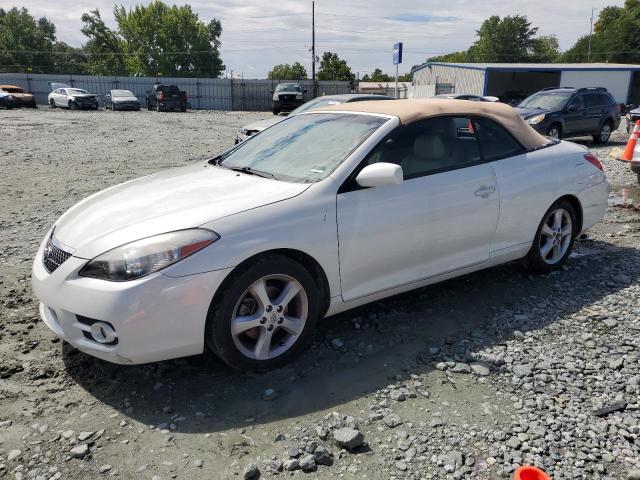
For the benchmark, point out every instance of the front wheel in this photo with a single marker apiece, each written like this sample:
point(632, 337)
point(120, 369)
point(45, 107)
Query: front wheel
point(52, 104)
point(554, 239)
point(158, 107)
point(265, 314)
point(604, 135)
point(554, 132)
point(73, 106)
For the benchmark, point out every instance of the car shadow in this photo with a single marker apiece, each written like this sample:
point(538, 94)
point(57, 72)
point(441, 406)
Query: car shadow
point(382, 341)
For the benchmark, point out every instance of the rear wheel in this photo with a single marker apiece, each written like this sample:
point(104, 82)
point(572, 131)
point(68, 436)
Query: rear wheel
point(605, 133)
point(554, 239)
point(265, 315)
point(555, 131)
point(158, 107)
point(148, 105)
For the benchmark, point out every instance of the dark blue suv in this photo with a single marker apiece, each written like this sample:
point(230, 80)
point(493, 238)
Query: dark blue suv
point(572, 112)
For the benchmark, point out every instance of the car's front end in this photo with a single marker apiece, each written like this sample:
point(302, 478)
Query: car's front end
point(125, 103)
point(84, 101)
point(632, 117)
point(287, 101)
point(7, 101)
point(537, 118)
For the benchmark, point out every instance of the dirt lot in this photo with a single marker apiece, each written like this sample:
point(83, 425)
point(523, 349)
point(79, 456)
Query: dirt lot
point(466, 379)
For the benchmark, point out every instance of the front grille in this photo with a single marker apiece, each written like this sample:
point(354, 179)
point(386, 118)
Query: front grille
point(53, 256)
point(288, 98)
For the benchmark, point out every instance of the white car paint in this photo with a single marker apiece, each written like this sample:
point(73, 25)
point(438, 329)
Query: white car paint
point(62, 96)
point(413, 231)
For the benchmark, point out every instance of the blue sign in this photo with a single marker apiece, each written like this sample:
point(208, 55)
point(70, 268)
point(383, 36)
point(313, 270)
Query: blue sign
point(397, 53)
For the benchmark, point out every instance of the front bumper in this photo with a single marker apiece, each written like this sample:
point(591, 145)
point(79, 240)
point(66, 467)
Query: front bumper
point(155, 318)
point(125, 106)
point(287, 105)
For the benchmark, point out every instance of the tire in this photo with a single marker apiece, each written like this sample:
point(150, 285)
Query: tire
point(158, 107)
point(555, 131)
point(52, 104)
point(242, 349)
point(73, 106)
point(148, 105)
point(33, 105)
point(183, 108)
point(552, 230)
point(276, 111)
point(605, 133)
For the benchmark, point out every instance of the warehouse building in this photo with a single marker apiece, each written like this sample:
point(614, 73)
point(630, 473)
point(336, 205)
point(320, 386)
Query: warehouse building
point(510, 81)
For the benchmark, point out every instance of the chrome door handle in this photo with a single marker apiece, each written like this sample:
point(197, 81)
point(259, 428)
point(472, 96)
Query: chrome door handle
point(484, 192)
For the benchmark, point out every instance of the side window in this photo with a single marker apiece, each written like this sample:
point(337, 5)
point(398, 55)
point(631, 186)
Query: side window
point(606, 100)
point(429, 146)
point(592, 100)
point(577, 103)
point(495, 141)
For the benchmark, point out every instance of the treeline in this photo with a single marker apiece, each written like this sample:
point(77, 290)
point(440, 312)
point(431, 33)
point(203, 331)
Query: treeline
point(616, 38)
point(149, 40)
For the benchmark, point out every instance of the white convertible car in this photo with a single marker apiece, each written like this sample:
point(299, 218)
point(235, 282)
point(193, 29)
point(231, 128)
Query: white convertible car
point(318, 214)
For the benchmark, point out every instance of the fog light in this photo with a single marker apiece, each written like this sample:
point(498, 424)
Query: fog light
point(102, 332)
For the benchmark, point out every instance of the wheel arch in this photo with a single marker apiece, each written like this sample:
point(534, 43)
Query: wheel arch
point(303, 258)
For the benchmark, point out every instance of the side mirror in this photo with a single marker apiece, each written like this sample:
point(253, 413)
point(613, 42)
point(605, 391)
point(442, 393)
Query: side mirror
point(380, 175)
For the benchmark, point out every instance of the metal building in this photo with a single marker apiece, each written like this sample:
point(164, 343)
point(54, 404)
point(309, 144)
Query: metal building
point(513, 80)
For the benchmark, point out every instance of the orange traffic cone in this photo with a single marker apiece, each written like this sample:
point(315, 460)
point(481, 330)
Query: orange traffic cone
point(530, 473)
point(627, 155)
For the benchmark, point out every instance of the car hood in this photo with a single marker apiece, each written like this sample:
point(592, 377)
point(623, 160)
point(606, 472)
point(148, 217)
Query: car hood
point(530, 112)
point(83, 95)
point(261, 125)
point(175, 199)
point(125, 99)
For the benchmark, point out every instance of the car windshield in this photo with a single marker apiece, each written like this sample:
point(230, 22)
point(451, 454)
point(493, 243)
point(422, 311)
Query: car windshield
point(122, 93)
point(547, 100)
point(76, 91)
point(288, 87)
point(316, 103)
point(304, 148)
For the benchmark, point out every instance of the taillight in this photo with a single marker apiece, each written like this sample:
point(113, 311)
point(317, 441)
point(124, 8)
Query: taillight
point(161, 95)
point(593, 160)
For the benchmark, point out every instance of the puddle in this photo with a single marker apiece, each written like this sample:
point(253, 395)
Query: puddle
point(625, 197)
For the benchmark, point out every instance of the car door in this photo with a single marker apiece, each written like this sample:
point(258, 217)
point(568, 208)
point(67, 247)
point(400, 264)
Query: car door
point(440, 219)
point(61, 98)
point(593, 112)
point(575, 116)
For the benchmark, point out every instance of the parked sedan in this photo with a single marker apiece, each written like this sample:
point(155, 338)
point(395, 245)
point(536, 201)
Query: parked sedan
point(256, 127)
point(121, 100)
point(321, 213)
point(7, 101)
point(72, 98)
point(21, 98)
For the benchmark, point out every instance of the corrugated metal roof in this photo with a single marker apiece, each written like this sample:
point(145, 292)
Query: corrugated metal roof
point(536, 66)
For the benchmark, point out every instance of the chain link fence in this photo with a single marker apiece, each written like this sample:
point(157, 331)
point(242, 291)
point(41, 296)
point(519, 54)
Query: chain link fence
point(202, 93)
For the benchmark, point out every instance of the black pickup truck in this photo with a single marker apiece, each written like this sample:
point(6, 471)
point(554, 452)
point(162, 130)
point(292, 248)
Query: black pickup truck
point(166, 97)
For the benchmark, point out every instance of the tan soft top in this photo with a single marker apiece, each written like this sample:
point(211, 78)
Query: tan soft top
point(409, 111)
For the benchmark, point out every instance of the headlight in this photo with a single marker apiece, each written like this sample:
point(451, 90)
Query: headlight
point(276, 97)
point(142, 257)
point(299, 96)
point(535, 120)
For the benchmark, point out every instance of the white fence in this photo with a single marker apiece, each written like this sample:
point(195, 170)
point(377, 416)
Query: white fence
point(203, 93)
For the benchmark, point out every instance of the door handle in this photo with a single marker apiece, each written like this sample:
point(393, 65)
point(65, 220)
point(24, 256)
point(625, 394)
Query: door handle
point(484, 192)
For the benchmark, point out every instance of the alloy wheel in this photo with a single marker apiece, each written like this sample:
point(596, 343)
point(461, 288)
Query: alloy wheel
point(605, 133)
point(555, 236)
point(554, 132)
point(269, 317)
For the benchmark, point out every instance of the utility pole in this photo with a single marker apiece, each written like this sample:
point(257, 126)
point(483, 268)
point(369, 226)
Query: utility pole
point(590, 34)
point(313, 48)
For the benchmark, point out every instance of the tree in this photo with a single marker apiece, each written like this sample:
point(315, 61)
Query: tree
point(546, 49)
point(333, 67)
point(105, 48)
point(454, 57)
point(508, 39)
point(25, 42)
point(288, 72)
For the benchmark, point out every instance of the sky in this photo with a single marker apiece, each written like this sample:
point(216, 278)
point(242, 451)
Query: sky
point(259, 34)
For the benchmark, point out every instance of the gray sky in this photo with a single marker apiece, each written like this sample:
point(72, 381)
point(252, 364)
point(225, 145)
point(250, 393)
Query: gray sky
point(260, 34)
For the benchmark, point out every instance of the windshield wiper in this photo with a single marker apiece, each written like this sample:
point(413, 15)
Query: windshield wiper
point(251, 171)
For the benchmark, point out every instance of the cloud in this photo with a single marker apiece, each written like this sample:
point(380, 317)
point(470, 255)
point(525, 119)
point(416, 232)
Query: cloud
point(417, 18)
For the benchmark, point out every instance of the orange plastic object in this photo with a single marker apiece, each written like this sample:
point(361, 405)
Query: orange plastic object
point(530, 473)
point(627, 155)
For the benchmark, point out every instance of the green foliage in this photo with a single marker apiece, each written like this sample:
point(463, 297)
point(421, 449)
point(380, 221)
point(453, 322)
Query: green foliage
point(333, 67)
point(288, 72)
point(168, 40)
point(104, 50)
point(25, 42)
point(454, 57)
point(508, 39)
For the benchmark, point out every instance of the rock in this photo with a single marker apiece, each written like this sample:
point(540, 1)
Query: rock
point(610, 322)
point(348, 438)
point(392, 420)
point(79, 451)
point(633, 474)
point(616, 363)
point(272, 466)
point(513, 443)
point(279, 437)
point(13, 455)
point(291, 464)
point(400, 465)
point(67, 434)
point(523, 370)
point(83, 436)
point(441, 366)
point(198, 463)
point(307, 463)
point(104, 469)
point(461, 368)
point(269, 394)
point(480, 369)
point(294, 452)
point(323, 456)
point(322, 432)
point(251, 471)
point(453, 461)
point(398, 396)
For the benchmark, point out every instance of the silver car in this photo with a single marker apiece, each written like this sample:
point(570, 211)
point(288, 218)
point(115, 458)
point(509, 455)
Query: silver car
point(256, 127)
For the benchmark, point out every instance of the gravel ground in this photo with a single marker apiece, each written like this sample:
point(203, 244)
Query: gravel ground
point(465, 379)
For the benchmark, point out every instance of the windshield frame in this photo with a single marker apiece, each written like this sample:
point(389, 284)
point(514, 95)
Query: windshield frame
point(76, 91)
point(297, 88)
point(376, 135)
point(128, 93)
point(561, 106)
